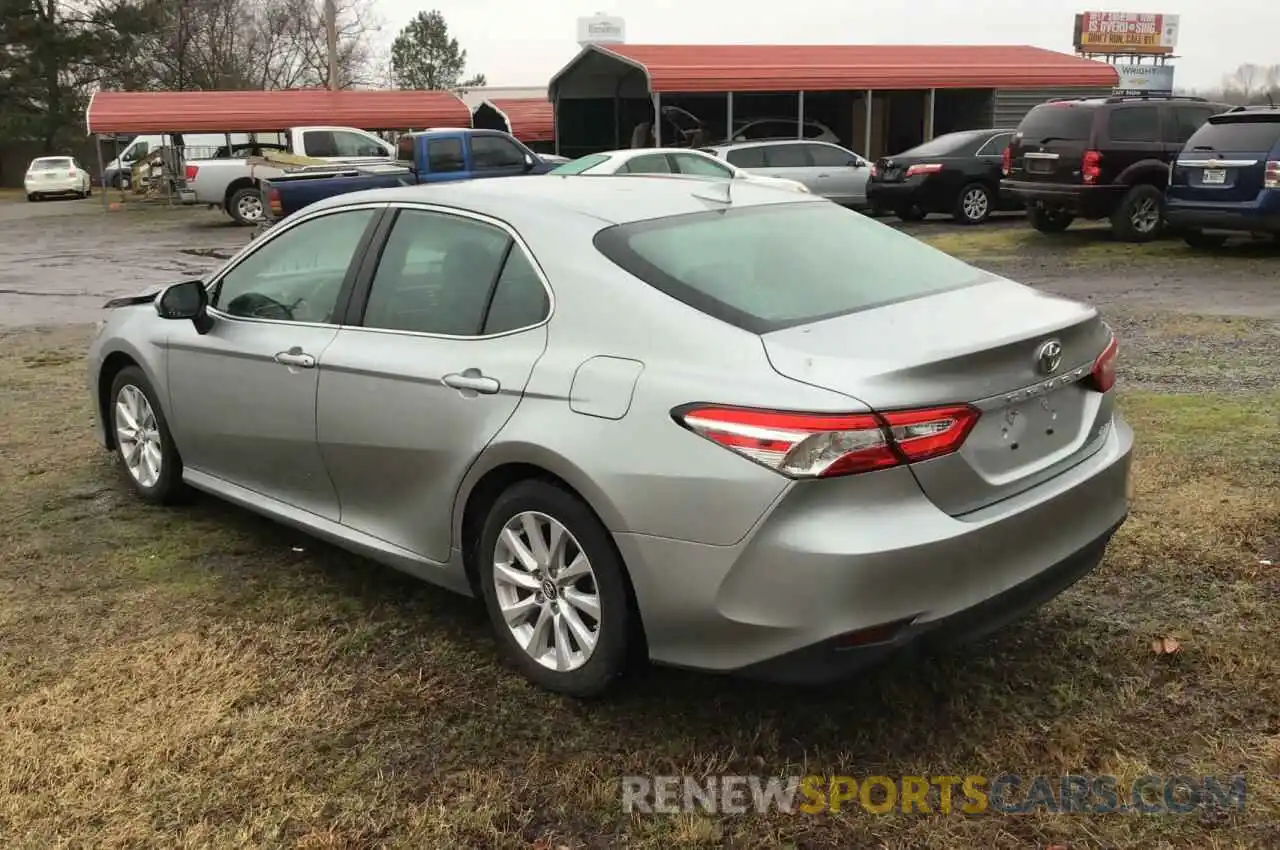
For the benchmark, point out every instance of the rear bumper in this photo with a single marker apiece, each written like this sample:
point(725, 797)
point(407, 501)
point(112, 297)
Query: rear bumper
point(834, 558)
point(1079, 200)
point(894, 195)
point(1235, 218)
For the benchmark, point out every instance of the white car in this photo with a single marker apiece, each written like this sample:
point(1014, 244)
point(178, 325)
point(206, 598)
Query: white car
point(56, 175)
point(692, 163)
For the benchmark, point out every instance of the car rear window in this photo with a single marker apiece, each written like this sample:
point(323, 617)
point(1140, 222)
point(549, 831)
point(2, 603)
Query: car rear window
point(1068, 122)
point(50, 164)
point(943, 145)
point(765, 268)
point(1258, 135)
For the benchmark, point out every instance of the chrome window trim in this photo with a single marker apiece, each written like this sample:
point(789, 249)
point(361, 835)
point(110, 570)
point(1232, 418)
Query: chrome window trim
point(481, 218)
point(982, 151)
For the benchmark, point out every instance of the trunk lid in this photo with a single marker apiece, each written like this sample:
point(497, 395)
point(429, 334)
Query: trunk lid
point(1225, 161)
point(1049, 144)
point(978, 345)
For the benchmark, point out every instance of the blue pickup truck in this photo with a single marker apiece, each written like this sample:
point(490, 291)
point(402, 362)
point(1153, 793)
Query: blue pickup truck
point(431, 156)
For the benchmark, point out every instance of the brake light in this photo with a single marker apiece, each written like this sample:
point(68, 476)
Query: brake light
point(875, 170)
point(1091, 166)
point(1272, 179)
point(1103, 376)
point(926, 168)
point(822, 445)
point(1006, 160)
point(273, 202)
point(71, 173)
point(192, 171)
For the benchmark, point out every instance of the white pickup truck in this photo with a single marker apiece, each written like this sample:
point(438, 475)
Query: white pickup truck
point(233, 183)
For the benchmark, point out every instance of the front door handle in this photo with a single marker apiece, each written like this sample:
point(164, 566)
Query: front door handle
point(296, 357)
point(472, 380)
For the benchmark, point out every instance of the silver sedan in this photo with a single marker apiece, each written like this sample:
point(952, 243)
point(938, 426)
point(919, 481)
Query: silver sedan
point(753, 433)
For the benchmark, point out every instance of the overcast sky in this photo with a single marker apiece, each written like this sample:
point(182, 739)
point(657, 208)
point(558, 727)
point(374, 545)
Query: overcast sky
point(524, 42)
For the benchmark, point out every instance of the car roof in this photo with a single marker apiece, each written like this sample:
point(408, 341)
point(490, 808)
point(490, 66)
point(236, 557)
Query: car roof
point(760, 143)
point(52, 156)
point(1252, 111)
point(604, 198)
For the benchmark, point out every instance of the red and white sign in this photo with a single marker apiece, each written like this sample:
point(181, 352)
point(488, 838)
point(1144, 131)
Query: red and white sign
point(1126, 32)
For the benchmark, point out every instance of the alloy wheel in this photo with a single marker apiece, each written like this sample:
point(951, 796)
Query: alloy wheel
point(138, 436)
point(547, 591)
point(975, 204)
point(1145, 215)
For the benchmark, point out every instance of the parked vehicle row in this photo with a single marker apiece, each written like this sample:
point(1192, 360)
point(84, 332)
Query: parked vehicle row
point(1144, 162)
point(432, 156)
point(456, 383)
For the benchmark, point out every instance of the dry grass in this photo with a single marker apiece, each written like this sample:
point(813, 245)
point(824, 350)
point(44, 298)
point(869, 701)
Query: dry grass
point(189, 678)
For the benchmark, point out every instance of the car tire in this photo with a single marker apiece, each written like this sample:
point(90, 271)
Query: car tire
point(1049, 221)
point(32, 197)
point(912, 213)
point(1140, 215)
point(153, 443)
point(973, 204)
point(241, 201)
point(537, 507)
point(1204, 241)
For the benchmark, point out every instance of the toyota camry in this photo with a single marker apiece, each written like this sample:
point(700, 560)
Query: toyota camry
point(733, 429)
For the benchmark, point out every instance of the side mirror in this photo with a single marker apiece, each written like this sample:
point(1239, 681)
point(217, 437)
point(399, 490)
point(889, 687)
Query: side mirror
point(529, 161)
point(186, 300)
point(857, 163)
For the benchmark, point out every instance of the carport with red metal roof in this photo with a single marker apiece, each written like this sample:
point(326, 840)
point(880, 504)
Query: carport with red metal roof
point(127, 114)
point(872, 97)
point(529, 119)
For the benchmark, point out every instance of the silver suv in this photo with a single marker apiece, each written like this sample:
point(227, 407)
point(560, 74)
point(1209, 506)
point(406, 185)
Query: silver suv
point(835, 173)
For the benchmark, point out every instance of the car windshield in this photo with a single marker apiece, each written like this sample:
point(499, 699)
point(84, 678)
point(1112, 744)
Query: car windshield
point(765, 268)
point(942, 145)
point(58, 164)
point(579, 165)
point(1068, 122)
point(1256, 135)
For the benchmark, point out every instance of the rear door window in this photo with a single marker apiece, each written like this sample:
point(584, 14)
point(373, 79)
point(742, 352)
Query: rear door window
point(829, 156)
point(787, 156)
point(746, 157)
point(445, 155)
point(995, 145)
point(654, 163)
point(1237, 136)
point(1051, 122)
point(1186, 120)
point(1134, 124)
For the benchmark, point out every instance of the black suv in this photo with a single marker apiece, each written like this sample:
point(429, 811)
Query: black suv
point(1104, 157)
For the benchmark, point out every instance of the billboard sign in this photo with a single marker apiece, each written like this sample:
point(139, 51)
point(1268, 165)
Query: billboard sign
point(1144, 79)
point(1136, 33)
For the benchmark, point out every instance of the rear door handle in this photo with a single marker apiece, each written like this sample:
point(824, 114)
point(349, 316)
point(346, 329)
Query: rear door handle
point(472, 380)
point(296, 357)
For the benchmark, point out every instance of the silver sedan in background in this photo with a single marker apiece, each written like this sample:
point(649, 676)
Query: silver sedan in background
point(755, 433)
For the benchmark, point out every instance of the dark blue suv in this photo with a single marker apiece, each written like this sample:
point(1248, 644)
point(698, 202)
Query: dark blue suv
point(1227, 178)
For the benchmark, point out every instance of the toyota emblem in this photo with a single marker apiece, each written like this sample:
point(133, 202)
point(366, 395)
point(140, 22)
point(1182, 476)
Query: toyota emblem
point(1049, 357)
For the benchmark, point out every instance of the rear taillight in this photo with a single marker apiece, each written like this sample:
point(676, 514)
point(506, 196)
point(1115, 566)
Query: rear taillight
point(273, 202)
point(821, 445)
point(924, 168)
point(875, 170)
point(71, 173)
point(192, 171)
point(1006, 160)
point(1091, 166)
point(1103, 376)
point(1272, 179)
